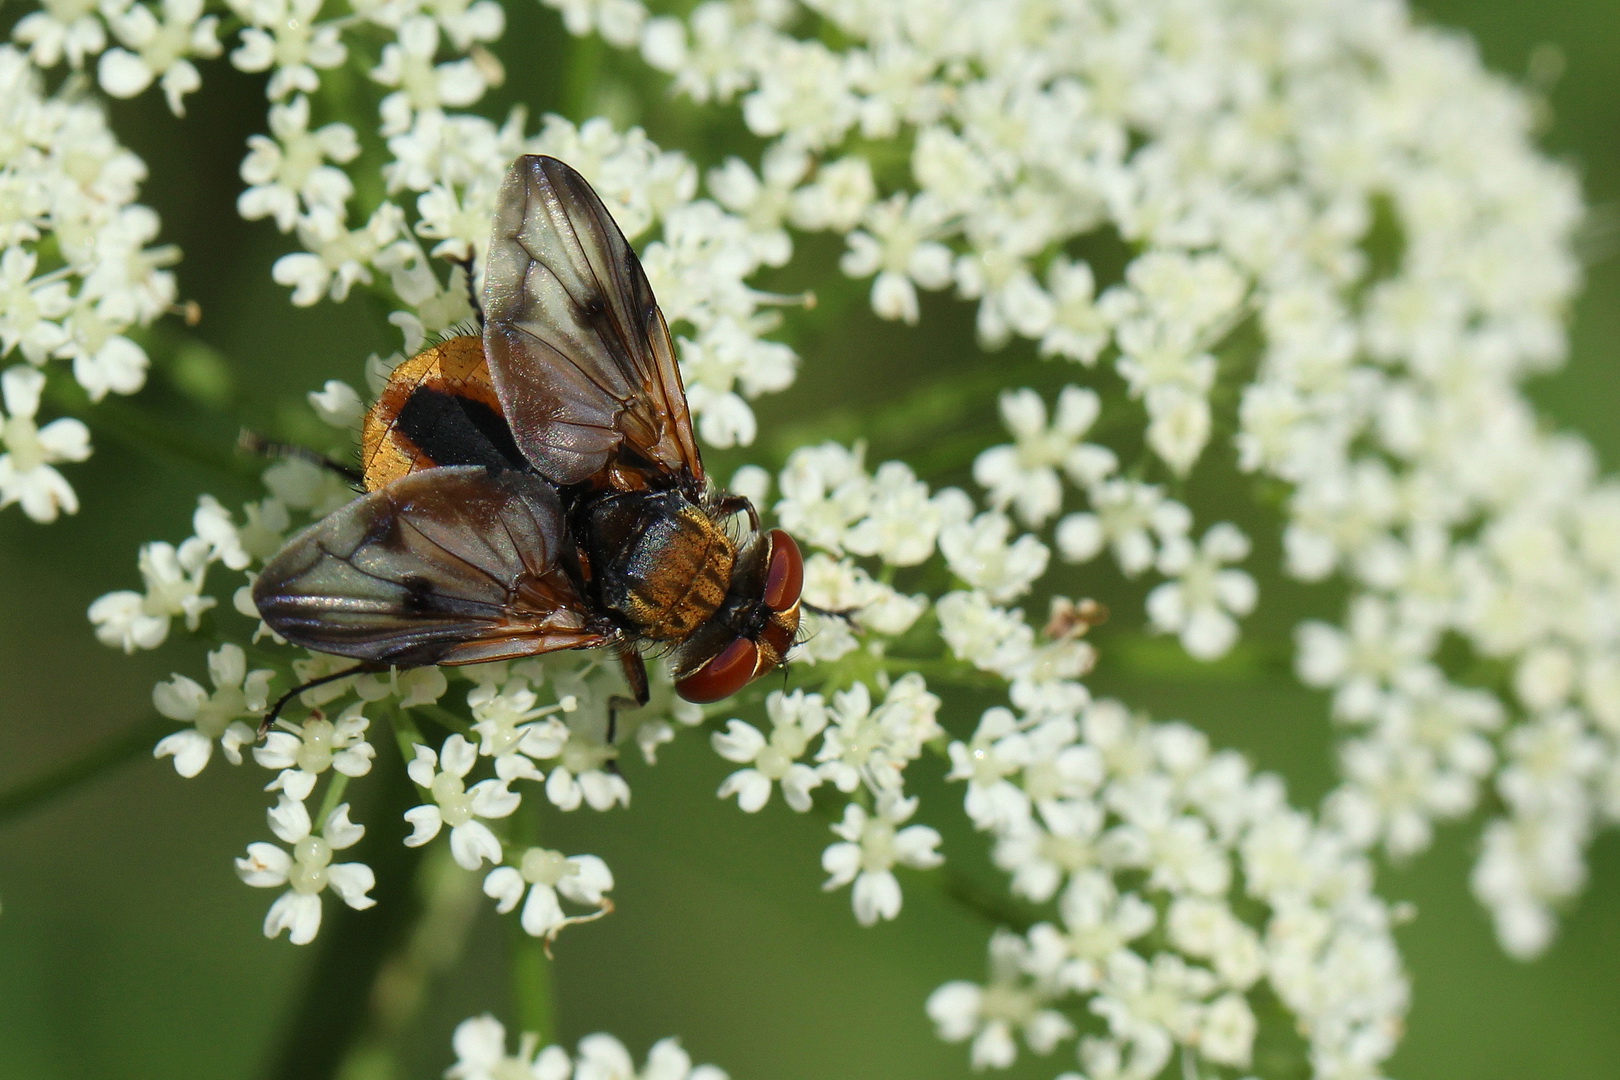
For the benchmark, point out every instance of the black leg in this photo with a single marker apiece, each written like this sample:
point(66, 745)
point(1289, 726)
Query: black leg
point(847, 614)
point(635, 673)
point(730, 504)
point(281, 702)
point(472, 290)
point(253, 443)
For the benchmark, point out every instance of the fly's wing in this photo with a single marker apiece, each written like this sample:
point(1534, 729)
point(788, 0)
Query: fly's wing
point(578, 350)
point(454, 565)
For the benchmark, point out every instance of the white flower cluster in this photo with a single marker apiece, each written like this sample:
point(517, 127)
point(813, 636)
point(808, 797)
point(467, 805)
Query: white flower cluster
point(480, 1046)
point(78, 273)
point(1186, 890)
point(865, 749)
point(510, 737)
point(1366, 202)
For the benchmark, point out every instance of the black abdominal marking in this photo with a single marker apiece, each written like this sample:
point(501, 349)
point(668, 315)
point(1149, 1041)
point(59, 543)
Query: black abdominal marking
point(453, 430)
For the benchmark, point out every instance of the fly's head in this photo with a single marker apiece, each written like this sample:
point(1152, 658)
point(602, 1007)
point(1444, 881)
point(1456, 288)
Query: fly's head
point(751, 634)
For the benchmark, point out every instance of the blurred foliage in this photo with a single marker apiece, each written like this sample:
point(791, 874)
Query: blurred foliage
point(128, 949)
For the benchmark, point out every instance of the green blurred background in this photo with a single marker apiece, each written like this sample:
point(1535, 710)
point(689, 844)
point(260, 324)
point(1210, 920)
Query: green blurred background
point(128, 948)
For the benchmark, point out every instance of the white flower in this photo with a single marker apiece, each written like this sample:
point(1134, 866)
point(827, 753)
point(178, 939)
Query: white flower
point(160, 50)
point(872, 845)
point(1025, 475)
point(1081, 326)
point(795, 719)
point(585, 771)
point(979, 553)
point(583, 879)
point(65, 30)
point(803, 94)
point(1125, 515)
point(1099, 922)
point(30, 307)
point(303, 751)
point(896, 245)
point(337, 258)
point(1363, 660)
point(288, 175)
point(26, 473)
point(423, 86)
point(1200, 604)
point(991, 1015)
point(825, 490)
point(618, 21)
point(507, 718)
point(174, 581)
point(873, 746)
point(104, 360)
point(1152, 1004)
point(337, 403)
point(991, 638)
point(993, 801)
point(480, 1046)
point(602, 1057)
point(763, 200)
point(284, 35)
point(840, 193)
point(443, 775)
point(308, 870)
point(902, 520)
point(1043, 757)
point(238, 693)
point(841, 586)
point(213, 527)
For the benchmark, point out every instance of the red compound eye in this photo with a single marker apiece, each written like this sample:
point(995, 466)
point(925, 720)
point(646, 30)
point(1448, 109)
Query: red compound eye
point(785, 578)
point(723, 676)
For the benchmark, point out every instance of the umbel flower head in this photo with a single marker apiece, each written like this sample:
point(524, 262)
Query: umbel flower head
point(1291, 262)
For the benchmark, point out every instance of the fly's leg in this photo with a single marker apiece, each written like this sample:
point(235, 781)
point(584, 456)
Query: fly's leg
point(472, 289)
point(730, 504)
point(846, 614)
point(251, 442)
point(635, 673)
point(281, 702)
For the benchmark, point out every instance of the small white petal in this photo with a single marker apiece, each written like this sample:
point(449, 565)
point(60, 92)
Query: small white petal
point(352, 881)
point(297, 913)
point(876, 896)
point(265, 866)
point(541, 911)
point(471, 843)
point(426, 822)
point(505, 886)
point(190, 749)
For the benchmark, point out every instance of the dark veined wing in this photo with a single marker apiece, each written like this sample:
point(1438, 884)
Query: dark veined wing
point(454, 565)
point(578, 350)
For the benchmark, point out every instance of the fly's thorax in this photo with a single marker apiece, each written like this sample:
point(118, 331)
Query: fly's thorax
point(661, 563)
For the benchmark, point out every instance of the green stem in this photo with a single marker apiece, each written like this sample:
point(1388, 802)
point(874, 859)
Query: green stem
point(992, 907)
point(584, 77)
point(326, 1027)
point(130, 424)
point(447, 906)
point(406, 734)
point(531, 985)
point(531, 968)
point(333, 797)
point(447, 720)
point(32, 794)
